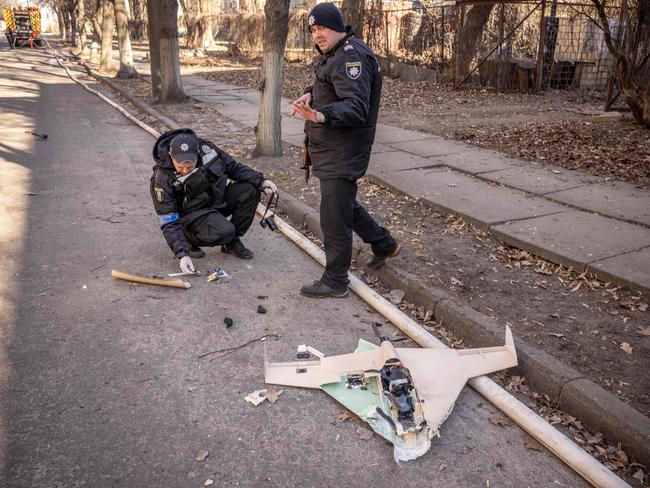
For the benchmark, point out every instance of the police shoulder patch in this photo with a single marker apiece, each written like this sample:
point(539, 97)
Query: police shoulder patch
point(353, 69)
point(160, 194)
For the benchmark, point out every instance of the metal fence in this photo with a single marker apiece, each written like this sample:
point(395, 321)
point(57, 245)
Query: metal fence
point(517, 45)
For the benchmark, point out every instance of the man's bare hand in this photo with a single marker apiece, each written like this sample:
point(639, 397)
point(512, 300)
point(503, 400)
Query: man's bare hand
point(307, 113)
point(305, 99)
point(301, 107)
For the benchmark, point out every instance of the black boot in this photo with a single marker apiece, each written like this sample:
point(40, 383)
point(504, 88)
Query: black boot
point(237, 249)
point(378, 260)
point(196, 252)
point(319, 289)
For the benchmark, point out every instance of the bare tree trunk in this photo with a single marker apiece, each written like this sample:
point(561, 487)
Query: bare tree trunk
point(469, 35)
point(108, 21)
point(205, 35)
point(138, 20)
point(96, 42)
point(163, 46)
point(80, 11)
point(269, 127)
point(190, 10)
point(354, 13)
point(632, 83)
point(127, 70)
point(59, 18)
point(67, 19)
point(74, 27)
point(153, 28)
point(197, 22)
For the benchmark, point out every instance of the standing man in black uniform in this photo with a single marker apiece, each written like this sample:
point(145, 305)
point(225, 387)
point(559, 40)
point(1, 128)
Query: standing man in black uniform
point(341, 111)
point(193, 198)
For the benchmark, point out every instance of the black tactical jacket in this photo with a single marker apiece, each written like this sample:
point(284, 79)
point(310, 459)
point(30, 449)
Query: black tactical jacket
point(178, 202)
point(347, 91)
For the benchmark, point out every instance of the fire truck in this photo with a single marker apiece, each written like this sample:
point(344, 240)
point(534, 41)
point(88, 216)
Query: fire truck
point(23, 26)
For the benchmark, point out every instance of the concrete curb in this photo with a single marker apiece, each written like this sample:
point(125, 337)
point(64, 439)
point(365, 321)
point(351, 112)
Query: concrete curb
point(574, 394)
point(566, 387)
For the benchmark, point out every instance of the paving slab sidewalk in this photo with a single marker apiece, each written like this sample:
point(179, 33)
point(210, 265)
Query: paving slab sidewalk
point(564, 216)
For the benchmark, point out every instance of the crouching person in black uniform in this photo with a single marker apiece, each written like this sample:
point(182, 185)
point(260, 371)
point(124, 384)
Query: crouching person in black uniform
point(341, 111)
point(193, 198)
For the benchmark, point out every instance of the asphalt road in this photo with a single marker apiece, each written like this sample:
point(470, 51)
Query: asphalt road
point(100, 384)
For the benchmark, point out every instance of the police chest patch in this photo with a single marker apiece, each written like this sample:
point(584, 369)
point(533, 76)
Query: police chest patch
point(353, 69)
point(160, 193)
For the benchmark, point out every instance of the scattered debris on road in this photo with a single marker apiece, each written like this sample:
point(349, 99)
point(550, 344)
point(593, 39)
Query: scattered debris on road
point(218, 275)
point(364, 433)
point(346, 415)
point(230, 350)
point(42, 136)
point(499, 420)
point(176, 283)
point(259, 396)
point(201, 455)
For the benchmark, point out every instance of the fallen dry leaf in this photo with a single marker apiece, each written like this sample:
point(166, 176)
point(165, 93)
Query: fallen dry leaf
point(533, 445)
point(626, 347)
point(346, 415)
point(201, 455)
point(443, 466)
point(644, 332)
point(272, 395)
point(499, 420)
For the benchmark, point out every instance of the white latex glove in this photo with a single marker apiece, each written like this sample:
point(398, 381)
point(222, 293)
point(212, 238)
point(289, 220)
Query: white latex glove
point(187, 266)
point(269, 187)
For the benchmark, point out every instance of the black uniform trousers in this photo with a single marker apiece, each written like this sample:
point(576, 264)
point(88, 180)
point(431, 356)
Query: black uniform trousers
point(214, 229)
point(340, 215)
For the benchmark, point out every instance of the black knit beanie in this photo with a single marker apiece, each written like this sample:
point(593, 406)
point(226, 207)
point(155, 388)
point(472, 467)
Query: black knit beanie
point(326, 15)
